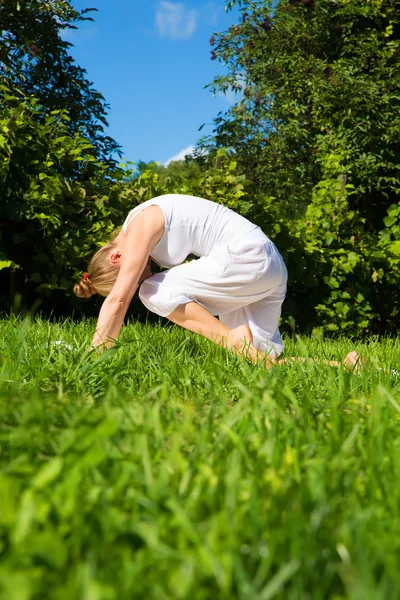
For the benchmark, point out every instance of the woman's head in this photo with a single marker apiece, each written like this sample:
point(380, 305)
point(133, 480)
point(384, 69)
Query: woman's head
point(102, 272)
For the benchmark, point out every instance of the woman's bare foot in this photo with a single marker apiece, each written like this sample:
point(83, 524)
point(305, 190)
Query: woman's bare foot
point(353, 360)
point(241, 339)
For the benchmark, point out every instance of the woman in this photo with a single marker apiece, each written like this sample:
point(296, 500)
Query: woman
point(238, 276)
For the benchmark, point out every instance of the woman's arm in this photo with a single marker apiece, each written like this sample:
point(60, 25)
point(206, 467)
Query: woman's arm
point(142, 235)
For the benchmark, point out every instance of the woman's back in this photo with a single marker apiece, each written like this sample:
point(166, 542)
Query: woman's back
point(194, 226)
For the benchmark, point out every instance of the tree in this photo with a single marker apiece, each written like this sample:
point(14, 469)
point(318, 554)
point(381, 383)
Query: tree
point(34, 61)
point(177, 172)
point(58, 174)
point(317, 127)
point(315, 75)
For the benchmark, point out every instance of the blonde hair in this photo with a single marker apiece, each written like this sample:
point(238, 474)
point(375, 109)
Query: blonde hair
point(101, 275)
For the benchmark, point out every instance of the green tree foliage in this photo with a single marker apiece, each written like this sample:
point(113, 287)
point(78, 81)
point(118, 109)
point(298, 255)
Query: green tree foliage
point(35, 61)
point(60, 190)
point(57, 200)
point(177, 171)
point(317, 127)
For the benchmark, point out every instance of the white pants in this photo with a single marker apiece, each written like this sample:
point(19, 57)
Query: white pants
point(242, 283)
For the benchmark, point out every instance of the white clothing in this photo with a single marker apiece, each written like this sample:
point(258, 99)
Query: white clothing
point(239, 275)
point(194, 226)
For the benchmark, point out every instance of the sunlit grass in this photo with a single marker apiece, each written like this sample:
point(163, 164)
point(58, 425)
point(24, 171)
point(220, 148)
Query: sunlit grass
point(169, 468)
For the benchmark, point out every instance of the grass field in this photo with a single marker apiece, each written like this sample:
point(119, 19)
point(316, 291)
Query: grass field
point(168, 468)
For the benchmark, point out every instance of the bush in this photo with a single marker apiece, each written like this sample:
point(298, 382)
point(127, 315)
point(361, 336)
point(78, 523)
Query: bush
point(57, 198)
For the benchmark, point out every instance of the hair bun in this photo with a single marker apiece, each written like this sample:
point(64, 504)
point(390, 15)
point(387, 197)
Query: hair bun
point(85, 288)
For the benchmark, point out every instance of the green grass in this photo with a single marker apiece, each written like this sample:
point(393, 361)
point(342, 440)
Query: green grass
point(168, 468)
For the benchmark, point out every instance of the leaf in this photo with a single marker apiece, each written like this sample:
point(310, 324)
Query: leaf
point(25, 516)
point(5, 264)
point(48, 473)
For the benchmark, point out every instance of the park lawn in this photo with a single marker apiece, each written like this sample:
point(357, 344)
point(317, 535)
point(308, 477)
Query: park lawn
point(169, 468)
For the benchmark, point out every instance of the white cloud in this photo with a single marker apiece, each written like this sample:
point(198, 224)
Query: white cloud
point(175, 21)
point(180, 156)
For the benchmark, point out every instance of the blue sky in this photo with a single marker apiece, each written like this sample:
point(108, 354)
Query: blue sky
point(151, 61)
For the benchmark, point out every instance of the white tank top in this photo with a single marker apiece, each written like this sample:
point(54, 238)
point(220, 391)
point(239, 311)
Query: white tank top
point(195, 226)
